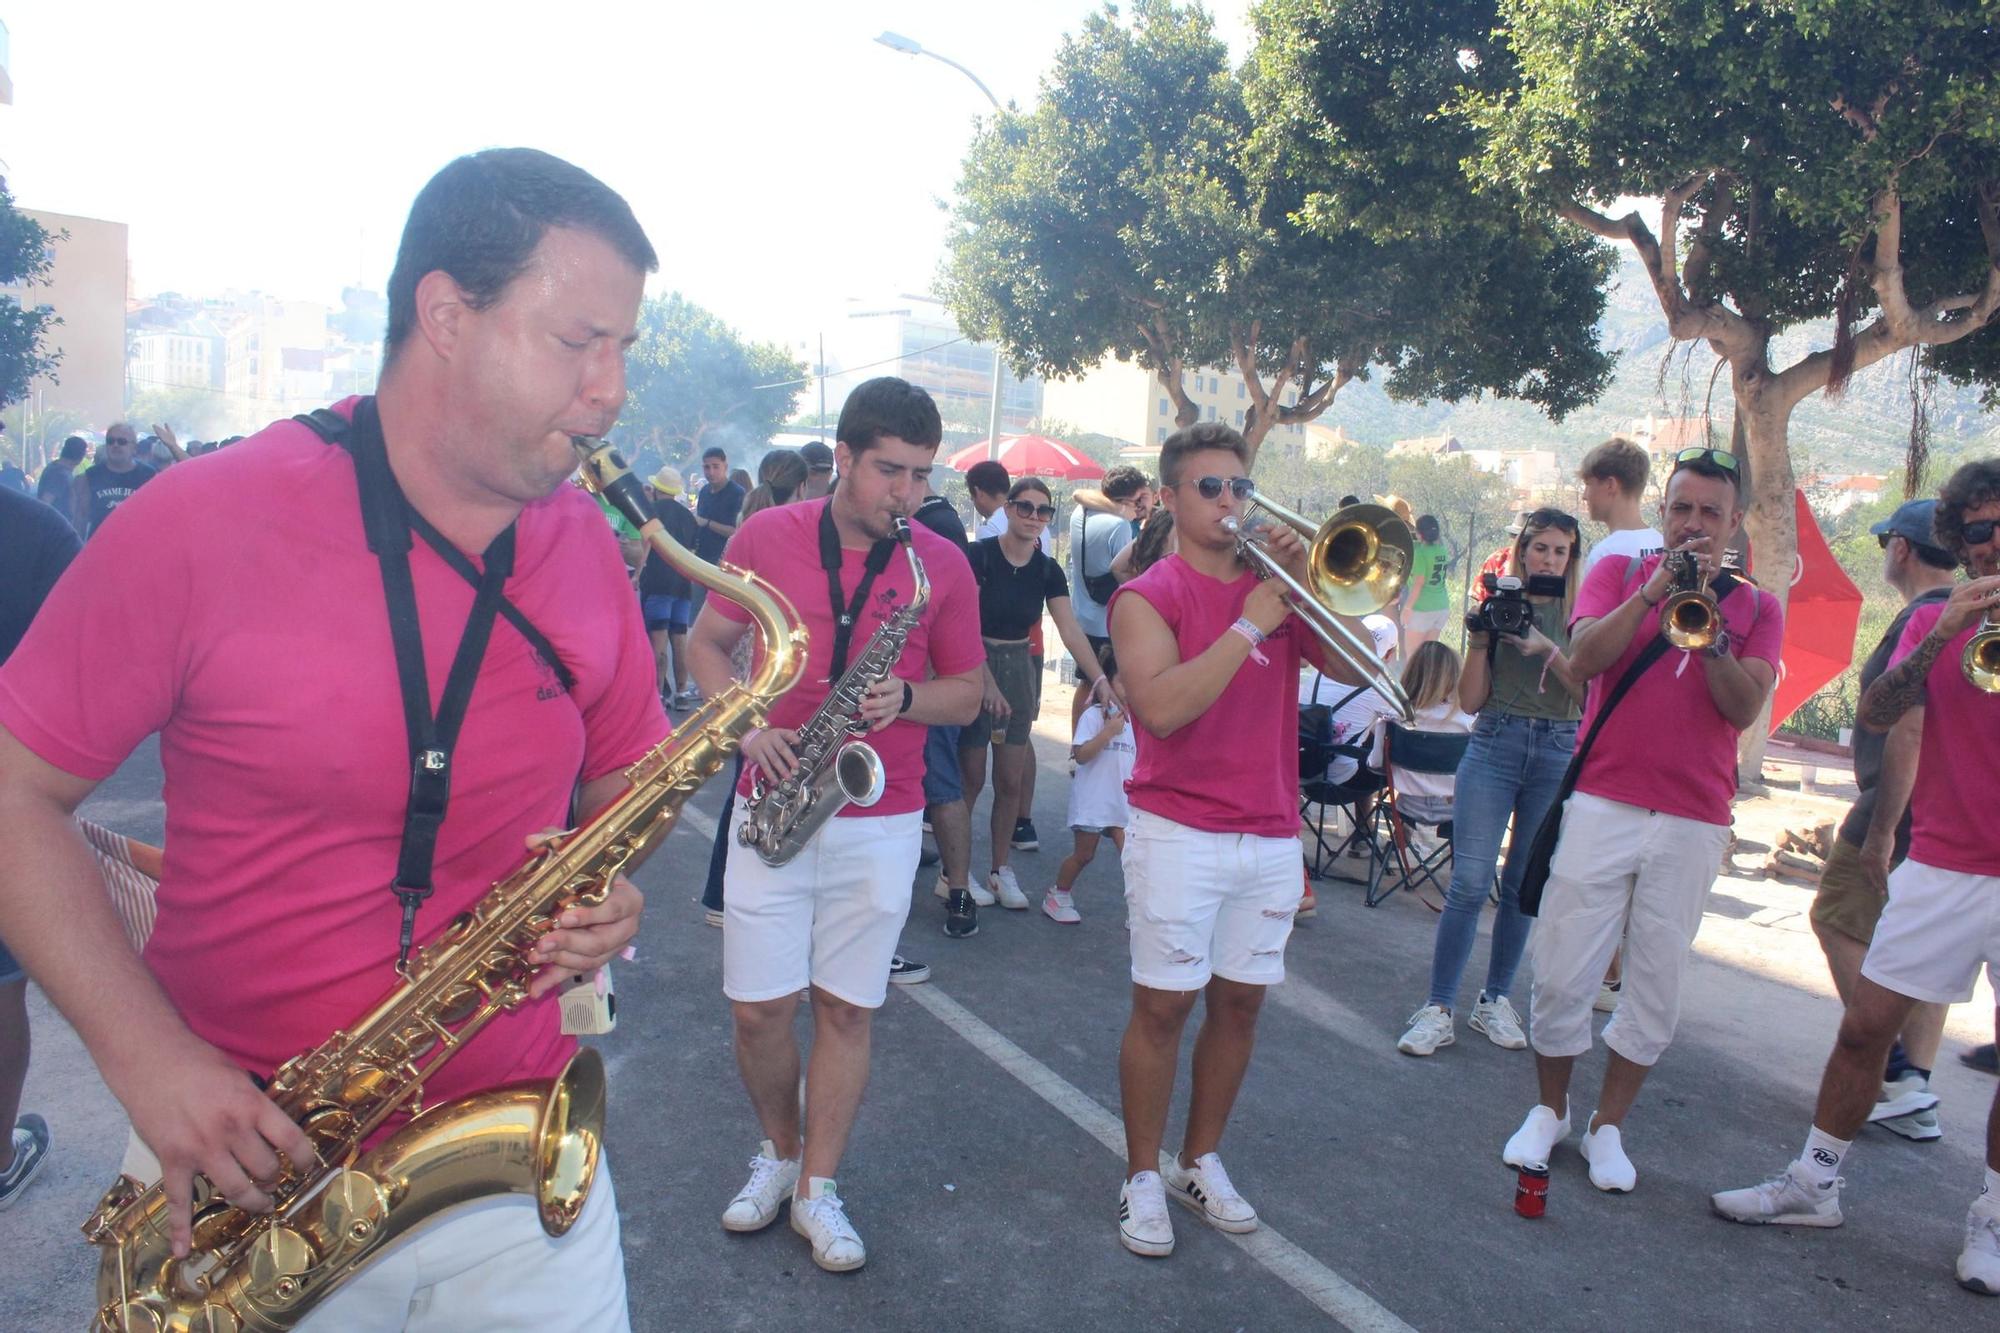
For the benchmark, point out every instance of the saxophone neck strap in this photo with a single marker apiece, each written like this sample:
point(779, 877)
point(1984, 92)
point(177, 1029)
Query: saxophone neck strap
point(388, 518)
point(846, 611)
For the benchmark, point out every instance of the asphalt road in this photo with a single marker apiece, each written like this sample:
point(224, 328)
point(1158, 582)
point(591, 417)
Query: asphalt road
point(985, 1169)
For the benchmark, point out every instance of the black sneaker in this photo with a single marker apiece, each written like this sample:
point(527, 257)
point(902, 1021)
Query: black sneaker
point(908, 971)
point(927, 856)
point(1982, 1058)
point(1024, 836)
point(31, 1149)
point(961, 915)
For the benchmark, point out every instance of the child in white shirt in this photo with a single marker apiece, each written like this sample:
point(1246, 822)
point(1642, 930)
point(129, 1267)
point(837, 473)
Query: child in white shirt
point(1101, 757)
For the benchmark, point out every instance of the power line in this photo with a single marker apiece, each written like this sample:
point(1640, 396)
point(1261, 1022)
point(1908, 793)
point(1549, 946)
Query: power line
point(870, 365)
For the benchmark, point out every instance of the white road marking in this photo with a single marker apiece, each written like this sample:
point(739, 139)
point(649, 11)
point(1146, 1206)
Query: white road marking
point(1349, 1305)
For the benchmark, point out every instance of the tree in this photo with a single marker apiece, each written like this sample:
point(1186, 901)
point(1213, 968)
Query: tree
point(1813, 159)
point(693, 382)
point(1151, 208)
point(24, 262)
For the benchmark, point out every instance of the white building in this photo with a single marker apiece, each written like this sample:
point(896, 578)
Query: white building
point(915, 337)
point(1125, 401)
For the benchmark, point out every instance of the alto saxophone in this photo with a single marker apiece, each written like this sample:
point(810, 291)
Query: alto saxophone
point(333, 1215)
point(835, 768)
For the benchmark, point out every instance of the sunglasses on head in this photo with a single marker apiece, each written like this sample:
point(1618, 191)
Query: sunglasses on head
point(1981, 532)
point(1551, 518)
point(1702, 454)
point(1029, 509)
point(1210, 488)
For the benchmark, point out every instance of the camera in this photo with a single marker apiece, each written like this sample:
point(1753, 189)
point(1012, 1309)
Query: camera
point(1505, 609)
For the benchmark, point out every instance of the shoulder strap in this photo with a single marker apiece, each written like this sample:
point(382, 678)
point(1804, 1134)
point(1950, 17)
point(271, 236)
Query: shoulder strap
point(333, 428)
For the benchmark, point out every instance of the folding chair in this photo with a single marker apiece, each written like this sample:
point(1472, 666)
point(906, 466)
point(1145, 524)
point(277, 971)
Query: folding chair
point(1407, 751)
point(1319, 799)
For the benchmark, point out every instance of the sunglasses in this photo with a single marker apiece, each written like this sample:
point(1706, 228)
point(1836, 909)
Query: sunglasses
point(1029, 509)
point(1551, 518)
point(1701, 454)
point(1210, 488)
point(1979, 533)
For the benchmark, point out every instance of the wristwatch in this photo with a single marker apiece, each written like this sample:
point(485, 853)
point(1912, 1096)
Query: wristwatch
point(1720, 648)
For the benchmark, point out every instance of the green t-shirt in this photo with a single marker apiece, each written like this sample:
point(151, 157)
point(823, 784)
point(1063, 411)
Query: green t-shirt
point(1432, 563)
point(619, 523)
point(1519, 687)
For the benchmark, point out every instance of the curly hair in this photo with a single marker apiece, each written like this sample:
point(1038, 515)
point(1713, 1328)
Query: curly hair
point(1974, 484)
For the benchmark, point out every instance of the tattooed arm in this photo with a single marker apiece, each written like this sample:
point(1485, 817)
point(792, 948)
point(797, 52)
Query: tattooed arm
point(1900, 688)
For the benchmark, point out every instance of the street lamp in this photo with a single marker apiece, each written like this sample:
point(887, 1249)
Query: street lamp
point(895, 41)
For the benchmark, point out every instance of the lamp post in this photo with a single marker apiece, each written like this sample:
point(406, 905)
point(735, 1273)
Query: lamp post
point(895, 41)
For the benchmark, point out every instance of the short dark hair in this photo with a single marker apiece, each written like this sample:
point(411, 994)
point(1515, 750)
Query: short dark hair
point(1708, 467)
point(1623, 461)
point(715, 451)
point(988, 476)
point(75, 447)
point(1124, 481)
point(884, 406)
point(1974, 484)
point(1015, 491)
point(1203, 435)
point(481, 217)
point(1427, 527)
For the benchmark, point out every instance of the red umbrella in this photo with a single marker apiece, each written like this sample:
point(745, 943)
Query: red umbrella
point(1032, 456)
point(1819, 620)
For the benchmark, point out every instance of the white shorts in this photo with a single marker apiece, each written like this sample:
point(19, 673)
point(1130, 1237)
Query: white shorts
point(1202, 904)
point(1426, 622)
point(1939, 926)
point(486, 1264)
point(831, 916)
point(1620, 872)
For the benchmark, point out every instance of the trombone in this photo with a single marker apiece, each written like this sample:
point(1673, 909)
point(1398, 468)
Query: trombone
point(1358, 562)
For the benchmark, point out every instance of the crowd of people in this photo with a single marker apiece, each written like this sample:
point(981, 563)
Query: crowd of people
point(1570, 802)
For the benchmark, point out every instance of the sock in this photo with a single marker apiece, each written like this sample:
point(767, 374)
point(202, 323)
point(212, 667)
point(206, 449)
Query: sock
point(1897, 1063)
point(1822, 1156)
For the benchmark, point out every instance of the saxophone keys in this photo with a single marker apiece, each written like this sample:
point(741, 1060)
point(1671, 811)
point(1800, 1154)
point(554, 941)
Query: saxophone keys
point(354, 1205)
point(128, 1317)
point(278, 1257)
point(215, 1319)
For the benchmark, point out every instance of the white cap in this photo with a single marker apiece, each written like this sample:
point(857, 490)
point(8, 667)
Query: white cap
point(1384, 630)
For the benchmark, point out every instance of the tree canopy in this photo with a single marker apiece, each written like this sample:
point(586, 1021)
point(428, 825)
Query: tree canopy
point(692, 381)
point(24, 262)
point(1158, 206)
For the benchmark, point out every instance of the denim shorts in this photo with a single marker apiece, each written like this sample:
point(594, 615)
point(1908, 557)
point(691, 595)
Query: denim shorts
point(10, 971)
point(672, 614)
point(944, 780)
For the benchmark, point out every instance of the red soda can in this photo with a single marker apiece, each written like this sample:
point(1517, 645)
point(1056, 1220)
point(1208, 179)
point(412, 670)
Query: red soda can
point(1531, 1190)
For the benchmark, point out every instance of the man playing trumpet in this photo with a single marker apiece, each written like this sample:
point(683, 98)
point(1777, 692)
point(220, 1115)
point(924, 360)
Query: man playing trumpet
point(1943, 916)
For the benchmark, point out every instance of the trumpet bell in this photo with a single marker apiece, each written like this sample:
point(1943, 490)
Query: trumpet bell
point(1360, 559)
point(1982, 660)
point(1689, 620)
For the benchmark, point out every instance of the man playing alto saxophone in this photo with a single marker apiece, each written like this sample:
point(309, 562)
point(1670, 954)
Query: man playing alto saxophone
point(244, 612)
point(830, 916)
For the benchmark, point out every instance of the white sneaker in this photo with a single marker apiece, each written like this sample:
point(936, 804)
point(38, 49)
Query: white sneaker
point(756, 1204)
point(1787, 1199)
point(1906, 1096)
point(1205, 1188)
point(821, 1218)
point(1143, 1224)
point(980, 897)
point(1979, 1261)
point(1499, 1021)
point(1430, 1028)
point(1059, 906)
point(1007, 889)
point(1536, 1139)
point(1610, 1169)
point(1607, 997)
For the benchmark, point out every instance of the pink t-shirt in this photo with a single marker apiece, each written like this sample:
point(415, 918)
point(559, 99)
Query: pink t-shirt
point(1667, 747)
point(1958, 766)
point(233, 607)
point(782, 544)
point(1235, 768)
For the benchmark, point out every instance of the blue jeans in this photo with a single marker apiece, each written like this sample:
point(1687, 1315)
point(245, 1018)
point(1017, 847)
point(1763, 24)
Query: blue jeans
point(1513, 766)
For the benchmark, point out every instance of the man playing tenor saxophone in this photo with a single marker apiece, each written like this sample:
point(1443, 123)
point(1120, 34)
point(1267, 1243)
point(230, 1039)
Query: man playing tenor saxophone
point(829, 914)
point(239, 605)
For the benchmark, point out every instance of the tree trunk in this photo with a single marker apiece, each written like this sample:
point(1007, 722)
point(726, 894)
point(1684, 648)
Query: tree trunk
point(1770, 518)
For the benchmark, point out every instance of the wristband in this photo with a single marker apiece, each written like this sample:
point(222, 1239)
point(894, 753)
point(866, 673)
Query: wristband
point(909, 696)
point(1248, 629)
point(1647, 600)
point(749, 736)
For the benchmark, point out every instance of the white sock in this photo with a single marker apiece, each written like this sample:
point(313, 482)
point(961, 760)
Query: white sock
point(1991, 1192)
point(1822, 1156)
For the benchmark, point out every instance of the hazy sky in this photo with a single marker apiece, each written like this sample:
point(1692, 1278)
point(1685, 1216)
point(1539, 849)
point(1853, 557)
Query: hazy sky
point(779, 158)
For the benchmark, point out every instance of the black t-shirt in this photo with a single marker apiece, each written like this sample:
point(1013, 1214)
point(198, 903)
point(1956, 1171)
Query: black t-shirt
point(53, 488)
point(1868, 745)
point(657, 578)
point(108, 490)
point(721, 504)
point(1011, 597)
point(36, 546)
point(941, 516)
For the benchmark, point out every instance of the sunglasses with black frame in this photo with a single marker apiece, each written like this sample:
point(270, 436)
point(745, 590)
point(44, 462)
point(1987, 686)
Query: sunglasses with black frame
point(1210, 488)
point(1029, 509)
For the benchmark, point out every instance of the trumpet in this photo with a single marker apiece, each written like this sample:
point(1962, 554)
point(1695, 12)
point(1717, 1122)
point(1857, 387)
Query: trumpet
point(1981, 662)
point(1690, 618)
point(1358, 562)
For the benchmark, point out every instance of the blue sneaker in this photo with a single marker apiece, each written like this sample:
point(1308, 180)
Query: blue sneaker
point(31, 1149)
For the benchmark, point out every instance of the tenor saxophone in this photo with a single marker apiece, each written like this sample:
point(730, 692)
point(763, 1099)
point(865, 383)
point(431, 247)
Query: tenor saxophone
point(835, 767)
point(543, 1138)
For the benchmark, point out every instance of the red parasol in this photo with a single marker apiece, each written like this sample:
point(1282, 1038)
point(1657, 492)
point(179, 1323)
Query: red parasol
point(1032, 456)
point(1820, 619)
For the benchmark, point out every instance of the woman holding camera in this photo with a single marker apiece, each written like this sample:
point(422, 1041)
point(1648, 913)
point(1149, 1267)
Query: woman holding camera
point(1517, 679)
